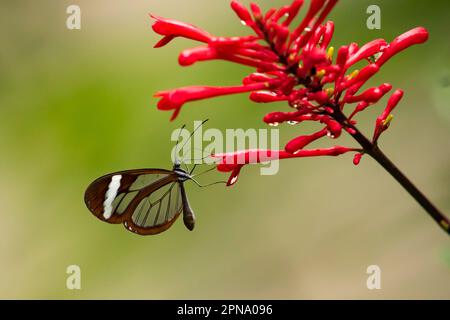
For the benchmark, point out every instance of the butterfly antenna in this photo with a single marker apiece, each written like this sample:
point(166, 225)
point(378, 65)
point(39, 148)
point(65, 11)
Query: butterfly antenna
point(193, 132)
point(178, 141)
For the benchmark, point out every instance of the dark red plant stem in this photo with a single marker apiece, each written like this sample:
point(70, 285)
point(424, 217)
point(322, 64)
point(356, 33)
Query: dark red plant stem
point(374, 151)
point(429, 207)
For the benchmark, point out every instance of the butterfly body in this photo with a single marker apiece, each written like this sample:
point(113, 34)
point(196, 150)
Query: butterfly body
point(145, 201)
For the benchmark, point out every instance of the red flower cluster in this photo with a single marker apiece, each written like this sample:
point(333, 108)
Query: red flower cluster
point(296, 65)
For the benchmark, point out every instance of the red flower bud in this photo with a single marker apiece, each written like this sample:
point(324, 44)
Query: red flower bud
point(266, 96)
point(357, 158)
point(342, 56)
point(293, 11)
point(371, 95)
point(225, 42)
point(233, 160)
point(326, 11)
point(300, 142)
point(321, 97)
point(392, 103)
point(333, 151)
point(328, 34)
point(312, 58)
point(315, 38)
point(175, 99)
point(314, 8)
point(334, 129)
point(383, 121)
point(365, 74)
point(352, 49)
point(414, 36)
point(256, 77)
point(173, 28)
point(230, 162)
point(242, 12)
point(234, 176)
point(256, 10)
point(281, 34)
point(191, 56)
point(279, 14)
point(366, 51)
point(269, 13)
point(360, 107)
point(275, 118)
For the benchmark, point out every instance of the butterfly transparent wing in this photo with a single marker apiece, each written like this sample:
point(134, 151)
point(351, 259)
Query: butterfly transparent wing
point(157, 212)
point(146, 201)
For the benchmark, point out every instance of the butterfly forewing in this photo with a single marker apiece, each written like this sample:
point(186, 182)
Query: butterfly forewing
point(146, 201)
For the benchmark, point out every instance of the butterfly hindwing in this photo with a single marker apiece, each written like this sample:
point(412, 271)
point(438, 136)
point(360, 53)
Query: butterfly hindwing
point(158, 211)
point(146, 201)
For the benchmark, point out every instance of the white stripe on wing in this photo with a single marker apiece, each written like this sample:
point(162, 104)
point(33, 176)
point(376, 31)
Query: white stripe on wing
point(111, 194)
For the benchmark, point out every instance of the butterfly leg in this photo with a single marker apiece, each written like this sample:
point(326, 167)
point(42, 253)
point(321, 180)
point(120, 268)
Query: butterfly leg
point(206, 185)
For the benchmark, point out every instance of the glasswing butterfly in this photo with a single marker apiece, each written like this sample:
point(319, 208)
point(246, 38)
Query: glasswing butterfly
point(145, 201)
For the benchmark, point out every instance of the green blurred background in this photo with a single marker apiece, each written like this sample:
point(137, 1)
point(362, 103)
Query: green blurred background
point(77, 104)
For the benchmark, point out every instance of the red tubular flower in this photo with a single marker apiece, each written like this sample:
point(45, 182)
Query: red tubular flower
point(175, 99)
point(327, 34)
point(320, 97)
point(190, 56)
point(233, 162)
point(342, 57)
point(383, 121)
point(334, 128)
point(173, 28)
point(294, 8)
point(402, 42)
point(365, 74)
point(242, 12)
point(254, 58)
point(229, 161)
point(352, 49)
point(266, 97)
point(392, 103)
point(366, 51)
point(371, 95)
point(296, 144)
point(256, 11)
point(257, 77)
point(357, 158)
point(276, 118)
point(314, 8)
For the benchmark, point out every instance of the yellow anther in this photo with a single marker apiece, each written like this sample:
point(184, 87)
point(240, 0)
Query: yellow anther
point(330, 53)
point(388, 120)
point(353, 74)
point(320, 74)
point(330, 92)
point(445, 225)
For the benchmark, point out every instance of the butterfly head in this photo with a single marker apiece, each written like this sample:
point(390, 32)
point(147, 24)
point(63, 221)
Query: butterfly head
point(182, 174)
